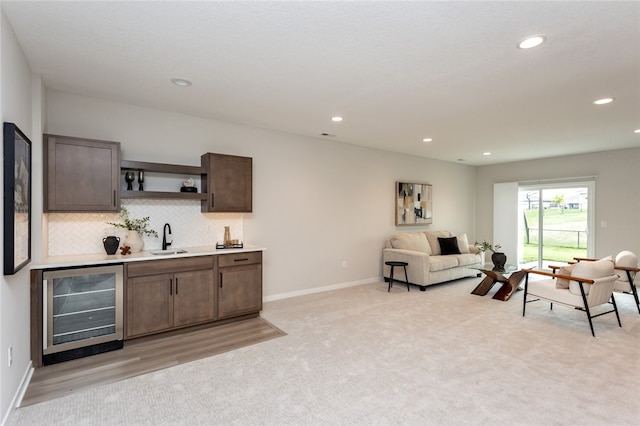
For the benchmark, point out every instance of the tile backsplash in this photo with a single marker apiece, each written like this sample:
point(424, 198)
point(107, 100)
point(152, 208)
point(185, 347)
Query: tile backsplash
point(82, 233)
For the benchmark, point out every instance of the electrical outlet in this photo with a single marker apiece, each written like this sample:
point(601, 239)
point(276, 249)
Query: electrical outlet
point(344, 264)
point(10, 356)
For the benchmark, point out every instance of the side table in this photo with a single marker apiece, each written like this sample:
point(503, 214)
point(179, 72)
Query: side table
point(393, 264)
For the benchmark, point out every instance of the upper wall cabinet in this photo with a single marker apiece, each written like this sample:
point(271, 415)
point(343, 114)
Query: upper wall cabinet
point(228, 183)
point(81, 175)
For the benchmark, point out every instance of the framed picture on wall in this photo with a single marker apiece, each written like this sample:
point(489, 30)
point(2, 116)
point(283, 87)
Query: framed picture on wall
point(17, 199)
point(414, 203)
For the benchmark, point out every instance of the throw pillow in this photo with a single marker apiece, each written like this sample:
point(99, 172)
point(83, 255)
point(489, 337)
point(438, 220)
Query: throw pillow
point(592, 270)
point(463, 244)
point(448, 245)
point(432, 237)
point(565, 270)
point(414, 241)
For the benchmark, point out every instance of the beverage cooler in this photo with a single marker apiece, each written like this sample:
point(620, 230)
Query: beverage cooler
point(82, 312)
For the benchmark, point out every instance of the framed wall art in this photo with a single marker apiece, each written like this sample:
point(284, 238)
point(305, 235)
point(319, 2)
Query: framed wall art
point(17, 199)
point(414, 203)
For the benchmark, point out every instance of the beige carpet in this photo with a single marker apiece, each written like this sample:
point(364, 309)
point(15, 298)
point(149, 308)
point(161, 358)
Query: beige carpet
point(365, 356)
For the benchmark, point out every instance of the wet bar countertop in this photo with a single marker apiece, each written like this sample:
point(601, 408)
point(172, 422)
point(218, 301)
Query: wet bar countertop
point(105, 259)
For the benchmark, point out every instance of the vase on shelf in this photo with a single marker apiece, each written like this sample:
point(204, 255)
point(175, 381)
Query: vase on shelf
point(134, 241)
point(129, 177)
point(499, 260)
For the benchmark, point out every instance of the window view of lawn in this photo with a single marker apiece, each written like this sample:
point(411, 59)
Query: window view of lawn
point(565, 234)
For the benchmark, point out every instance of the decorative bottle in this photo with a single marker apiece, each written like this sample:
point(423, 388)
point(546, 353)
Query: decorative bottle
point(227, 236)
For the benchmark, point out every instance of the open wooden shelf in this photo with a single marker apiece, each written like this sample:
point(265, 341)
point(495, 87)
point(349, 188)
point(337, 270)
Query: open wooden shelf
point(158, 195)
point(162, 168)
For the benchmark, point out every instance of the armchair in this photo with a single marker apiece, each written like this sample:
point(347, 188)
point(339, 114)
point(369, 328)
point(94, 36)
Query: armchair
point(593, 287)
point(626, 267)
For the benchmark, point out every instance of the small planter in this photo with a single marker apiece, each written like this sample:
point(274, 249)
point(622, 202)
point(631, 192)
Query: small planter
point(134, 241)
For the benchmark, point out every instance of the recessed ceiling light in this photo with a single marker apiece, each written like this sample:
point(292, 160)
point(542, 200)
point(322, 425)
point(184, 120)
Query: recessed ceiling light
point(427, 140)
point(603, 101)
point(636, 131)
point(181, 82)
point(531, 41)
point(486, 153)
point(336, 118)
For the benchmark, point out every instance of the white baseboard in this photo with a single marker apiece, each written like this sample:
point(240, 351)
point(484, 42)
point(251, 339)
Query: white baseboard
point(17, 398)
point(321, 289)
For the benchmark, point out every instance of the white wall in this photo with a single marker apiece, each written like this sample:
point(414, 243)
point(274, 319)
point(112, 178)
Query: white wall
point(316, 202)
point(617, 193)
point(20, 98)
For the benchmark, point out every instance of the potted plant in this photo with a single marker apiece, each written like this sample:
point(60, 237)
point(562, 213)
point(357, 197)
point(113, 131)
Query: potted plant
point(498, 258)
point(136, 228)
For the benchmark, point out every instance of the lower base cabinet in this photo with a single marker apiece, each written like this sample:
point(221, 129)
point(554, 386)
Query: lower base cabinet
point(166, 294)
point(162, 295)
point(239, 284)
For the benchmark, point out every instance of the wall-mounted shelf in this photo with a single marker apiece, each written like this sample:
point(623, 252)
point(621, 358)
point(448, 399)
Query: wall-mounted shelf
point(127, 165)
point(158, 195)
point(162, 168)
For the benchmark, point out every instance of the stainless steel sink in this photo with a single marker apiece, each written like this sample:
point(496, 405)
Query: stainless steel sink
point(167, 252)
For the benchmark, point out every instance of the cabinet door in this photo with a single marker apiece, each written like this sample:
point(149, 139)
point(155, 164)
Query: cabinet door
point(228, 184)
point(240, 290)
point(81, 175)
point(149, 304)
point(194, 297)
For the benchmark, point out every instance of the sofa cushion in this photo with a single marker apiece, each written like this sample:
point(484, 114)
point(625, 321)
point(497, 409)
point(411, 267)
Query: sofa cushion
point(448, 245)
point(565, 270)
point(440, 263)
point(414, 241)
point(465, 259)
point(463, 244)
point(592, 270)
point(432, 237)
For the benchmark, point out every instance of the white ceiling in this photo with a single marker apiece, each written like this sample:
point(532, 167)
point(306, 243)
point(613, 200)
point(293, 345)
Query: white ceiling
point(396, 71)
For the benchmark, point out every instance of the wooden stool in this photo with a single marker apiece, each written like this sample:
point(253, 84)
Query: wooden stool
point(393, 264)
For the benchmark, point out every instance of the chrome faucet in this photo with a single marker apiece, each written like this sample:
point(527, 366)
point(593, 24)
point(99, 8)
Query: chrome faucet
point(166, 244)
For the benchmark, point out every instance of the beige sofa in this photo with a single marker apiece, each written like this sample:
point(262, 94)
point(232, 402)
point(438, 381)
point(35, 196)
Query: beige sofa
point(427, 264)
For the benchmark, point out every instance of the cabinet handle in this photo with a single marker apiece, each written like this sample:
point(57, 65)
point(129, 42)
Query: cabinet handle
point(170, 286)
point(213, 203)
point(240, 260)
point(176, 286)
point(114, 198)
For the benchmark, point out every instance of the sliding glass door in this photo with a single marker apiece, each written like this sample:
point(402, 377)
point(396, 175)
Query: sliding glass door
point(555, 222)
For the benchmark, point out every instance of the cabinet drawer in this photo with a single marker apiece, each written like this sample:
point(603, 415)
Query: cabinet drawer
point(154, 267)
point(236, 259)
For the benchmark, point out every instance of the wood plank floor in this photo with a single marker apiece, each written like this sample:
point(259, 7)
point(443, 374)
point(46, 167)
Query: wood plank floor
point(143, 356)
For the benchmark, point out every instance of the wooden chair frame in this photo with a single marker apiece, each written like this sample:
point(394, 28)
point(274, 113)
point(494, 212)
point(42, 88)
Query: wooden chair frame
point(581, 282)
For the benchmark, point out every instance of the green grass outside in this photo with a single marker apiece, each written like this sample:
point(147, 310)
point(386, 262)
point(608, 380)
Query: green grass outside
point(564, 235)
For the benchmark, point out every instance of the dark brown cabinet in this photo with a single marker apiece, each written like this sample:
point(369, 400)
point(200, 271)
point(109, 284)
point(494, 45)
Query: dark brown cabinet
point(228, 183)
point(239, 284)
point(166, 294)
point(81, 175)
